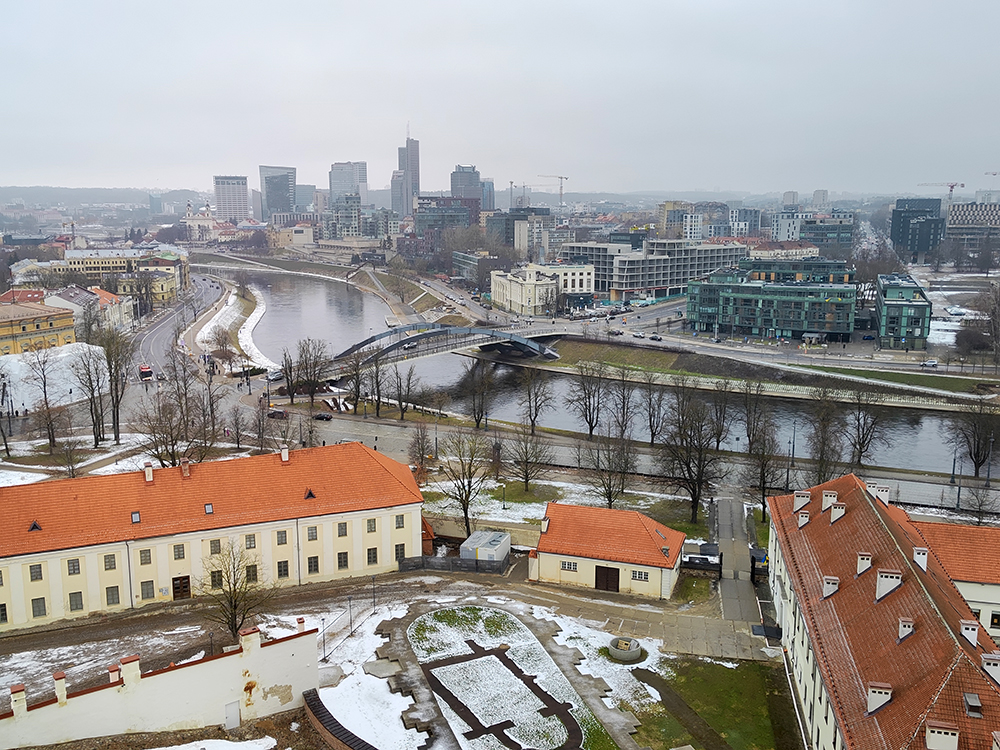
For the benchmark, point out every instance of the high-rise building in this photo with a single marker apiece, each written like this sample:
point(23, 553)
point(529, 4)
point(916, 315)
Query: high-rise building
point(398, 190)
point(969, 224)
point(488, 198)
point(465, 182)
point(155, 204)
point(821, 199)
point(829, 233)
point(790, 198)
point(409, 165)
point(304, 195)
point(277, 190)
point(744, 222)
point(916, 228)
point(349, 178)
point(256, 205)
point(232, 201)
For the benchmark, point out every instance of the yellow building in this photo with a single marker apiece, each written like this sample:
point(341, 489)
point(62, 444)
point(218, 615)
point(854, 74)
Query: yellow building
point(163, 286)
point(111, 543)
point(29, 325)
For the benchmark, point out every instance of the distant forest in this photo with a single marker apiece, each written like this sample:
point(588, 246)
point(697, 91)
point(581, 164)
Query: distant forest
point(72, 197)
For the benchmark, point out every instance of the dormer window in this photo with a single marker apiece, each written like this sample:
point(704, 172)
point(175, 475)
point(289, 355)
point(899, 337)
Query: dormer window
point(209, 510)
point(135, 516)
point(973, 706)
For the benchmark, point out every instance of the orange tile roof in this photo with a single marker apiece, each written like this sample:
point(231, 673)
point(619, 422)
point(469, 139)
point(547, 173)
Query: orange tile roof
point(957, 545)
point(23, 295)
point(259, 489)
point(625, 536)
point(855, 638)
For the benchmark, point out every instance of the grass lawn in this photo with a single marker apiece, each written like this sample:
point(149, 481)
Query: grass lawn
point(691, 589)
point(425, 303)
point(763, 529)
point(454, 320)
point(573, 352)
point(538, 493)
point(924, 380)
point(677, 515)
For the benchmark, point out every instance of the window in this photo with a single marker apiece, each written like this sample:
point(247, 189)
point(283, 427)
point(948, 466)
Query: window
point(311, 534)
point(75, 601)
point(146, 590)
point(373, 555)
point(209, 509)
point(400, 552)
point(35, 572)
point(145, 556)
point(73, 566)
point(371, 524)
point(3, 613)
point(567, 565)
point(282, 537)
point(109, 562)
point(1, 578)
point(251, 574)
point(216, 576)
point(112, 595)
point(400, 521)
point(251, 541)
point(178, 551)
point(342, 528)
point(640, 575)
point(341, 561)
point(283, 569)
point(995, 619)
point(312, 564)
point(214, 546)
point(38, 607)
point(135, 516)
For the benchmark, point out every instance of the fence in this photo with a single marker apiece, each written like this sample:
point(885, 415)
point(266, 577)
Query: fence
point(454, 564)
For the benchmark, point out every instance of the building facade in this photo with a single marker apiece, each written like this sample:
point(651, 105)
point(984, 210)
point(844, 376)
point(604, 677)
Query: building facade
point(29, 326)
point(902, 312)
point(465, 182)
point(406, 179)
point(277, 190)
point(524, 291)
point(916, 228)
point(575, 283)
point(109, 543)
point(829, 231)
point(232, 199)
point(348, 178)
point(969, 224)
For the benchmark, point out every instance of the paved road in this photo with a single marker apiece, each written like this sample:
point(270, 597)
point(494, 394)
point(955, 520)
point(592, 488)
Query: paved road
point(157, 338)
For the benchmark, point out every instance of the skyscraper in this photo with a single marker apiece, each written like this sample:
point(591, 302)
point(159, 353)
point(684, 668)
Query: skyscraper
point(349, 178)
point(465, 182)
point(277, 190)
point(488, 197)
point(409, 165)
point(232, 201)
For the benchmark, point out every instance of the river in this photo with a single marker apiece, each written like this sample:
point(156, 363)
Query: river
point(303, 306)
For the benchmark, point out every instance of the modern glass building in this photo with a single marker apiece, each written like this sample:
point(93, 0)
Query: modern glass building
point(277, 190)
point(902, 312)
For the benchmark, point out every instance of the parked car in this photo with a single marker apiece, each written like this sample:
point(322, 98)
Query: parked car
point(277, 414)
point(929, 363)
point(638, 335)
point(275, 376)
point(656, 337)
point(410, 345)
point(323, 416)
point(867, 337)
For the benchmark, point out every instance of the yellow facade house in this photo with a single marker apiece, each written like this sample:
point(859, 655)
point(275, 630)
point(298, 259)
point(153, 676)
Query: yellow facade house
point(29, 325)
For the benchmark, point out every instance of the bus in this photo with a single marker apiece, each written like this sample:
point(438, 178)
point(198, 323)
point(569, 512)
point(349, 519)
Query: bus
point(145, 373)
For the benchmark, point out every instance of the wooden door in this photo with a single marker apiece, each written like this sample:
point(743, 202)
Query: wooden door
point(182, 587)
point(605, 579)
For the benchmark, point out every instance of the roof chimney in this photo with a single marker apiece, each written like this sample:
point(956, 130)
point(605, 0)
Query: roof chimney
point(829, 498)
point(864, 561)
point(665, 551)
point(882, 493)
point(941, 736)
point(879, 693)
point(905, 628)
point(803, 518)
point(920, 557)
point(545, 524)
point(114, 673)
point(59, 678)
point(837, 510)
point(18, 700)
point(996, 741)
point(830, 585)
point(991, 665)
point(970, 631)
point(185, 467)
point(284, 454)
point(801, 499)
point(887, 582)
point(148, 468)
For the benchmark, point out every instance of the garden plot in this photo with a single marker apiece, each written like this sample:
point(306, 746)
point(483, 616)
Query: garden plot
point(497, 686)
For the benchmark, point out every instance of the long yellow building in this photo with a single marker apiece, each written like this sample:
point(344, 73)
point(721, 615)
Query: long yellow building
point(29, 325)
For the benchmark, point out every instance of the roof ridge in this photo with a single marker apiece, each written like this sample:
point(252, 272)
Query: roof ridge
point(381, 459)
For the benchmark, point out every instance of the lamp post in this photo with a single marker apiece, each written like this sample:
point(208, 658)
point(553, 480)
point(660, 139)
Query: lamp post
point(954, 458)
point(788, 466)
point(793, 443)
point(989, 461)
point(958, 501)
point(503, 489)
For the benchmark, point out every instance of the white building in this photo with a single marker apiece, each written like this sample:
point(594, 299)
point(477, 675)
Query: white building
point(524, 291)
point(348, 178)
point(785, 225)
point(693, 224)
point(232, 199)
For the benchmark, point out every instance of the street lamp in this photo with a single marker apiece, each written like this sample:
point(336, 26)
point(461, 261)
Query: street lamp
point(793, 443)
point(788, 466)
point(954, 458)
point(989, 461)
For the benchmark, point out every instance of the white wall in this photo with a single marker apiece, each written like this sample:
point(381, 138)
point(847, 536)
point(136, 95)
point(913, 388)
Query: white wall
point(258, 680)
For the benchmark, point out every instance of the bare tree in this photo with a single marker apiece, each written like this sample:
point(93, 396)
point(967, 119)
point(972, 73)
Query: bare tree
point(355, 376)
point(40, 364)
point(654, 405)
point(420, 450)
point(290, 371)
point(824, 436)
point(119, 351)
point(241, 278)
point(377, 379)
point(689, 460)
point(405, 384)
point(236, 586)
point(221, 341)
point(972, 426)
point(70, 455)
point(765, 461)
point(621, 402)
point(586, 394)
point(260, 426)
point(90, 322)
point(466, 469)
point(479, 378)
point(752, 401)
point(528, 455)
point(313, 365)
point(866, 424)
point(237, 425)
point(535, 395)
point(722, 398)
point(608, 462)
point(982, 503)
point(90, 371)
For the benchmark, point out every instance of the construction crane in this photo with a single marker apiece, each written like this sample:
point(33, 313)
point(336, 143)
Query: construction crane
point(560, 178)
point(950, 185)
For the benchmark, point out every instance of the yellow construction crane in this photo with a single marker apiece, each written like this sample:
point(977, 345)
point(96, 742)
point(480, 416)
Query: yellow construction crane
point(950, 185)
point(560, 178)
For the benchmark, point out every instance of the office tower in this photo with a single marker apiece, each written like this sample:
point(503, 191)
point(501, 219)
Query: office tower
point(488, 198)
point(256, 205)
point(465, 182)
point(790, 198)
point(409, 165)
point(916, 228)
point(277, 190)
point(304, 195)
point(349, 178)
point(821, 198)
point(155, 204)
point(398, 193)
point(232, 201)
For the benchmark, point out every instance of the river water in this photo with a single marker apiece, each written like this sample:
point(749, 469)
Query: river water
point(333, 311)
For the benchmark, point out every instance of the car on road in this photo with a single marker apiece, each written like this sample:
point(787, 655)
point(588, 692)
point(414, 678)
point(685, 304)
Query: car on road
point(638, 335)
point(160, 376)
point(277, 414)
point(616, 332)
point(716, 341)
point(410, 345)
point(323, 416)
point(656, 337)
point(275, 376)
point(929, 363)
point(867, 337)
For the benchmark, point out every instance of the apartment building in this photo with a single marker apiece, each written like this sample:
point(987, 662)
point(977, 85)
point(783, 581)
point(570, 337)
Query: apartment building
point(75, 547)
point(902, 312)
point(525, 291)
point(28, 326)
point(884, 652)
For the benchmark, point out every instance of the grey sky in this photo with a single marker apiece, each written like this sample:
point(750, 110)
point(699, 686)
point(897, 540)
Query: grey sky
point(848, 95)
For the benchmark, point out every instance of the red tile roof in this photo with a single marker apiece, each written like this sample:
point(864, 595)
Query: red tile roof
point(22, 295)
point(854, 637)
point(956, 546)
point(625, 536)
point(260, 489)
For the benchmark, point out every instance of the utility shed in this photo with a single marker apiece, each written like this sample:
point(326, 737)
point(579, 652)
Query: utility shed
point(486, 545)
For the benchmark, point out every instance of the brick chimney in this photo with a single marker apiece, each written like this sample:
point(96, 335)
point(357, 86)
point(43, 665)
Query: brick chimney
point(801, 500)
point(830, 585)
point(803, 518)
point(185, 468)
point(148, 468)
point(249, 639)
point(991, 665)
point(300, 624)
point(114, 673)
point(879, 693)
point(60, 680)
point(941, 735)
point(837, 510)
point(887, 582)
point(864, 561)
point(970, 631)
point(920, 557)
point(905, 628)
point(829, 498)
point(284, 454)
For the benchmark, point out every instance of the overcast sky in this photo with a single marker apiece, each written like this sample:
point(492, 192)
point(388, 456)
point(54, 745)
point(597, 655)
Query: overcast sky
point(848, 95)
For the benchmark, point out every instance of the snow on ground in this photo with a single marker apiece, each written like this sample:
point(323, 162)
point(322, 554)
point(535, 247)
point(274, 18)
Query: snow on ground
point(11, 478)
point(943, 332)
point(364, 705)
point(23, 388)
point(265, 743)
point(245, 335)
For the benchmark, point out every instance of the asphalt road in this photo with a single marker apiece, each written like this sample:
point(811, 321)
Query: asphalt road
point(158, 338)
